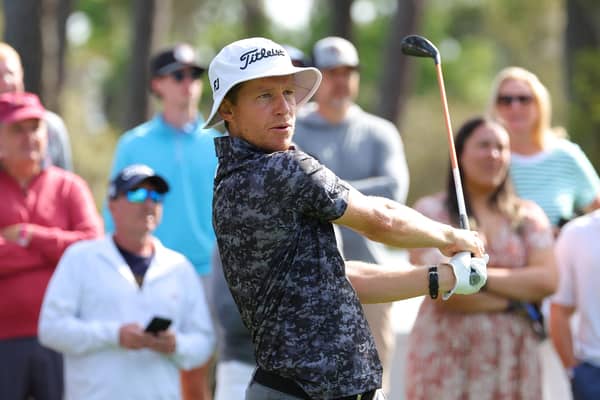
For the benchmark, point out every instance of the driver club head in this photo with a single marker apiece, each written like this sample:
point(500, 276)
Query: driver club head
point(418, 46)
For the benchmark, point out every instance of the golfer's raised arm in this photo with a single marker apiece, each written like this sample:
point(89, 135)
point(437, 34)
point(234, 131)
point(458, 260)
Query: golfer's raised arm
point(394, 224)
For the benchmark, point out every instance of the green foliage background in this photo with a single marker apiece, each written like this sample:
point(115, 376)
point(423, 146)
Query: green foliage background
point(476, 39)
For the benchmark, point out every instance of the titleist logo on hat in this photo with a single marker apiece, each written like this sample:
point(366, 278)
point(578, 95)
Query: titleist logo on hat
point(255, 55)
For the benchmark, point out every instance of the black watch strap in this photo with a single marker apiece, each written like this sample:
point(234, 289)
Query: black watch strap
point(434, 285)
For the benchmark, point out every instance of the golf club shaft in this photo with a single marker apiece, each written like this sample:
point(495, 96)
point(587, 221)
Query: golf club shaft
point(418, 46)
point(460, 198)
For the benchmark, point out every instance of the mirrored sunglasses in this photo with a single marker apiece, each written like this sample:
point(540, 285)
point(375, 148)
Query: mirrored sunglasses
point(140, 195)
point(508, 100)
point(180, 74)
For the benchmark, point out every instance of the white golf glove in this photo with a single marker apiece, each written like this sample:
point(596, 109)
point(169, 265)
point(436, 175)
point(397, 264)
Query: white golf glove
point(467, 283)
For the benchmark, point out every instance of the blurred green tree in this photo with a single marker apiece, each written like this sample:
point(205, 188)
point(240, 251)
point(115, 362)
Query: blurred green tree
point(476, 39)
point(144, 16)
point(582, 57)
point(36, 29)
point(341, 22)
point(396, 69)
point(26, 38)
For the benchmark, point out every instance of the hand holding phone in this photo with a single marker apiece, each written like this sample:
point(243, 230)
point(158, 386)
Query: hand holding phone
point(131, 336)
point(158, 324)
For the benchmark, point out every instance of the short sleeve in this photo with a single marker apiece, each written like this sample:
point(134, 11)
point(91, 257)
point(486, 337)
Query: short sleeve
point(585, 177)
point(319, 192)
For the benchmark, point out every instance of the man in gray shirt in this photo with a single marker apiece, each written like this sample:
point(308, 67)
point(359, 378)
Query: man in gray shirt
point(361, 148)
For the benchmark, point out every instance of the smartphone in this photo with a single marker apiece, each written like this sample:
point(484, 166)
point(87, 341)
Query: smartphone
point(158, 324)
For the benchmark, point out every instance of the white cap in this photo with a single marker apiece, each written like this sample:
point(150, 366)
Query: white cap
point(255, 58)
point(333, 51)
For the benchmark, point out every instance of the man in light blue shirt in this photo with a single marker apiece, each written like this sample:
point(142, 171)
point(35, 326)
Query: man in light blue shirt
point(174, 144)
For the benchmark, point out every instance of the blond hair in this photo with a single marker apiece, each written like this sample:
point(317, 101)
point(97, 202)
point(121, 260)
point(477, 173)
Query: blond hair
point(541, 96)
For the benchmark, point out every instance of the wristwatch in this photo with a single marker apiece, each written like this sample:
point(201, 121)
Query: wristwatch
point(434, 285)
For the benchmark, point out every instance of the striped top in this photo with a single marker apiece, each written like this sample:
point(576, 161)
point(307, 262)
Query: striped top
point(561, 179)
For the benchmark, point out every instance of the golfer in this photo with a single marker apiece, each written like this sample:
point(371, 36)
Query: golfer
point(273, 211)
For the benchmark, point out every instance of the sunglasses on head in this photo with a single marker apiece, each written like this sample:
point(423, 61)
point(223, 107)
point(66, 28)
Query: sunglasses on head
point(180, 74)
point(508, 100)
point(140, 195)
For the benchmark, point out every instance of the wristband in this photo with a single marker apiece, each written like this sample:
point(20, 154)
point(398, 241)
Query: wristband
point(22, 239)
point(434, 285)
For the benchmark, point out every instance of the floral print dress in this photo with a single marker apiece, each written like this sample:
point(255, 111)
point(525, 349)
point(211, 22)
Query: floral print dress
point(477, 356)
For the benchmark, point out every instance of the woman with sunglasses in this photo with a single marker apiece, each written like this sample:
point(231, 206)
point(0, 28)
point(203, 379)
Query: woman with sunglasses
point(482, 346)
point(545, 168)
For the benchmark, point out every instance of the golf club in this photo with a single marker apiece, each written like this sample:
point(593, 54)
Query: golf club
point(418, 46)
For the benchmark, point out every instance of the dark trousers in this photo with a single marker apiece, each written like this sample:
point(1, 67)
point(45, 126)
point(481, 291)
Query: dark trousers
point(586, 382)
point(29, 371)
point(269, 386)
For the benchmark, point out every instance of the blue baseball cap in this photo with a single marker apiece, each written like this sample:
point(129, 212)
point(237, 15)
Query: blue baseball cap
point(133, 175)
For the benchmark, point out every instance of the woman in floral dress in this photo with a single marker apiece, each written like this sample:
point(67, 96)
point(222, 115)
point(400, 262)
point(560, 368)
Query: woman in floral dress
point(479, 346)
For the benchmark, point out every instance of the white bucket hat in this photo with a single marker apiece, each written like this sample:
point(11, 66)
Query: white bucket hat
point(255, 58)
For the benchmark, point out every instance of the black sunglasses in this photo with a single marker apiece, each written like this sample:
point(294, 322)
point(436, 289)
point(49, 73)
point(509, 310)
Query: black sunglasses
point(508, 100)
point(180, 74)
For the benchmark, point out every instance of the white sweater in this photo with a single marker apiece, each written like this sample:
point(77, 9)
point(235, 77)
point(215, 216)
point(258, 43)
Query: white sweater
point(93, 292)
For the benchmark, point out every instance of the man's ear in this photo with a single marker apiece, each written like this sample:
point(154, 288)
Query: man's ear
point(155, 86)
point(226, 110)
point(110, 203)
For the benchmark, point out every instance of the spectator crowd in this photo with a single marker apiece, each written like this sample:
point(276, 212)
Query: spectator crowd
point(246, 262)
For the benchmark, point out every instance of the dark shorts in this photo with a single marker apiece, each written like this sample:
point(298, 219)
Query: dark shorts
point(586, 382)
point(29, 370)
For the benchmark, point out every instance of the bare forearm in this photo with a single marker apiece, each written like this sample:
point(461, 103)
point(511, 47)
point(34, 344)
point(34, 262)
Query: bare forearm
point(394, 224)
point(408, 228)
point(381, 284)
point(563, 343)
point(560, 333)
point(527, 284)
point(475, 303)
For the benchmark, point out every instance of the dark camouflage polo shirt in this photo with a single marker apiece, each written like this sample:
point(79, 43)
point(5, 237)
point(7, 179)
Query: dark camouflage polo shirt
point(271, 214)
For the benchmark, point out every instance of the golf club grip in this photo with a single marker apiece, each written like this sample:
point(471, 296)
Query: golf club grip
point(464, 224)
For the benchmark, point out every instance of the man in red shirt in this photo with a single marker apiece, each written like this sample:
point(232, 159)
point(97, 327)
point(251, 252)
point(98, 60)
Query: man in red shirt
point(12, 80)
point(44, 209)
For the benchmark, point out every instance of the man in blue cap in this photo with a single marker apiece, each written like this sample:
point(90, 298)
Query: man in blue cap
point(174, 144)
point(100, 317)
